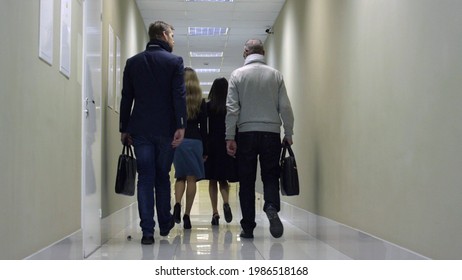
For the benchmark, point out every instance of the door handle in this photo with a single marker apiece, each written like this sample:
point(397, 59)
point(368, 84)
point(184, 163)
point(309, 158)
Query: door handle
point(86, 111)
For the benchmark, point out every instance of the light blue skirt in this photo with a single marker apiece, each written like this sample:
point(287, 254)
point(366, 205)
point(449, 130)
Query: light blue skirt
point(188, 160)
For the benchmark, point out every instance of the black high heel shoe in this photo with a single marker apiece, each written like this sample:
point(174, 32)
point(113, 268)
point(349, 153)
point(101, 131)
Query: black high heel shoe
point(176, 213)
point(215, 218)
point(186, 222)
point(228, 214)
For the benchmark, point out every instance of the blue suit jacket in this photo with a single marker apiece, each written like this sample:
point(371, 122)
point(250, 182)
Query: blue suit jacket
point(154, 81)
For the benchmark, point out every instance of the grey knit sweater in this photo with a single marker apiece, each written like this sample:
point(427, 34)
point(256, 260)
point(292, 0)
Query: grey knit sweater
point(257, 100)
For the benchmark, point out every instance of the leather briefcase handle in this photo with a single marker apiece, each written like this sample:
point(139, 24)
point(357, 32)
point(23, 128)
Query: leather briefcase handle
point(127, 150)
point(286, 148)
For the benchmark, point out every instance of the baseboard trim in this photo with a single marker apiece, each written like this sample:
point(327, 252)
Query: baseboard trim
point(68, 248)
point(354, 243)
point(71, 247)
point(118, 221)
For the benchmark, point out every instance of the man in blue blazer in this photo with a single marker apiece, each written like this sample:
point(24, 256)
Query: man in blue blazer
point(153, 84)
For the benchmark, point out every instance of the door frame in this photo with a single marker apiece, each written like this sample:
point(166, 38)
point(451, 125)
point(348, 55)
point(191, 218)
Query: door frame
point(91, 212)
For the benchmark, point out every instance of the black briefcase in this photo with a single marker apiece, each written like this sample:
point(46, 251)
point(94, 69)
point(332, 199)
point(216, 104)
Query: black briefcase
point(126, 172)
point(289, 173)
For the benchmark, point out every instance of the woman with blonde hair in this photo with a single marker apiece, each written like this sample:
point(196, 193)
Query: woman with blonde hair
point(190, 155)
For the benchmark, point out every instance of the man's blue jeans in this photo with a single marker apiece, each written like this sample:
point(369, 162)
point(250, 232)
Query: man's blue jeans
point(265, 147)
point(154, 156)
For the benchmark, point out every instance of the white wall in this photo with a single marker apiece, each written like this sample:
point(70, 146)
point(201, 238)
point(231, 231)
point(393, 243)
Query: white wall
point(375, 87)
point(127, 24)
point(40, 122)
point(40, 140)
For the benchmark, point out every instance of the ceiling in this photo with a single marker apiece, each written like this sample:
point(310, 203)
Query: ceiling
point(246, 19)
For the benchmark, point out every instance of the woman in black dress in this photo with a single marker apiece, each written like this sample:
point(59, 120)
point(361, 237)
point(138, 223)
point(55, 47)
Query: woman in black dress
point(219, 167)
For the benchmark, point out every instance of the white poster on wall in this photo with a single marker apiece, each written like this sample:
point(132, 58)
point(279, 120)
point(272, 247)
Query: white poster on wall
point(118, 76)
point(110, 70)
point(65, 41)
point(46, 31)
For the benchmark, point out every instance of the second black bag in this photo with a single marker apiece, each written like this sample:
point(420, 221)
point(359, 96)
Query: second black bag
point(126, 172)
point(289, 173)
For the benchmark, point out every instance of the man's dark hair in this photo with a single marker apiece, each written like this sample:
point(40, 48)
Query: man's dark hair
point(156, 30)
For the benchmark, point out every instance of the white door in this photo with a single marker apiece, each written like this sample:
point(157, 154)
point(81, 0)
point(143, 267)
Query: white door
point(91, 126)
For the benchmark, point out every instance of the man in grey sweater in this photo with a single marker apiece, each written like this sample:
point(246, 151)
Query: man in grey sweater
point(258, 106)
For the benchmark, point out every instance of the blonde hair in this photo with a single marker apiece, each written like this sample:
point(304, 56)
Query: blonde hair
point(193, 93)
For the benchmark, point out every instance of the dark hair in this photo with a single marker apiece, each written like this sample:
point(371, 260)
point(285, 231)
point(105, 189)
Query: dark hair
point(218, 94)
point(156, 30)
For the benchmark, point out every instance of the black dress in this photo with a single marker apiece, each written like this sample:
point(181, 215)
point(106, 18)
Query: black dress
point(219, 165)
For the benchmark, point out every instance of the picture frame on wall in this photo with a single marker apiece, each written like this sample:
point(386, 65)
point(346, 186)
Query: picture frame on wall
point(65, 39)
point(110, 70)
point(118, 81)
point(46, 31)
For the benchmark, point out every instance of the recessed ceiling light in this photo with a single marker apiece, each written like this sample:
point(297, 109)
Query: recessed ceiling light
point(207, 31)
point(206, 83)
point(208, 70)
point(209, 0)
point(206, 54)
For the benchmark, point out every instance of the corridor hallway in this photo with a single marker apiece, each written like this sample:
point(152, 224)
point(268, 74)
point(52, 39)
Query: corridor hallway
point(207, 242)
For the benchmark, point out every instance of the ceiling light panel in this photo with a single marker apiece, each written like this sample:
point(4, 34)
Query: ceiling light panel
point(207, 31)
point(206, 54)
point(209, 0)
point(207, 70)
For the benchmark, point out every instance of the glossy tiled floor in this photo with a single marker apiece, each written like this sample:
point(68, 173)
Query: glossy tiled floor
point(207, 242)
